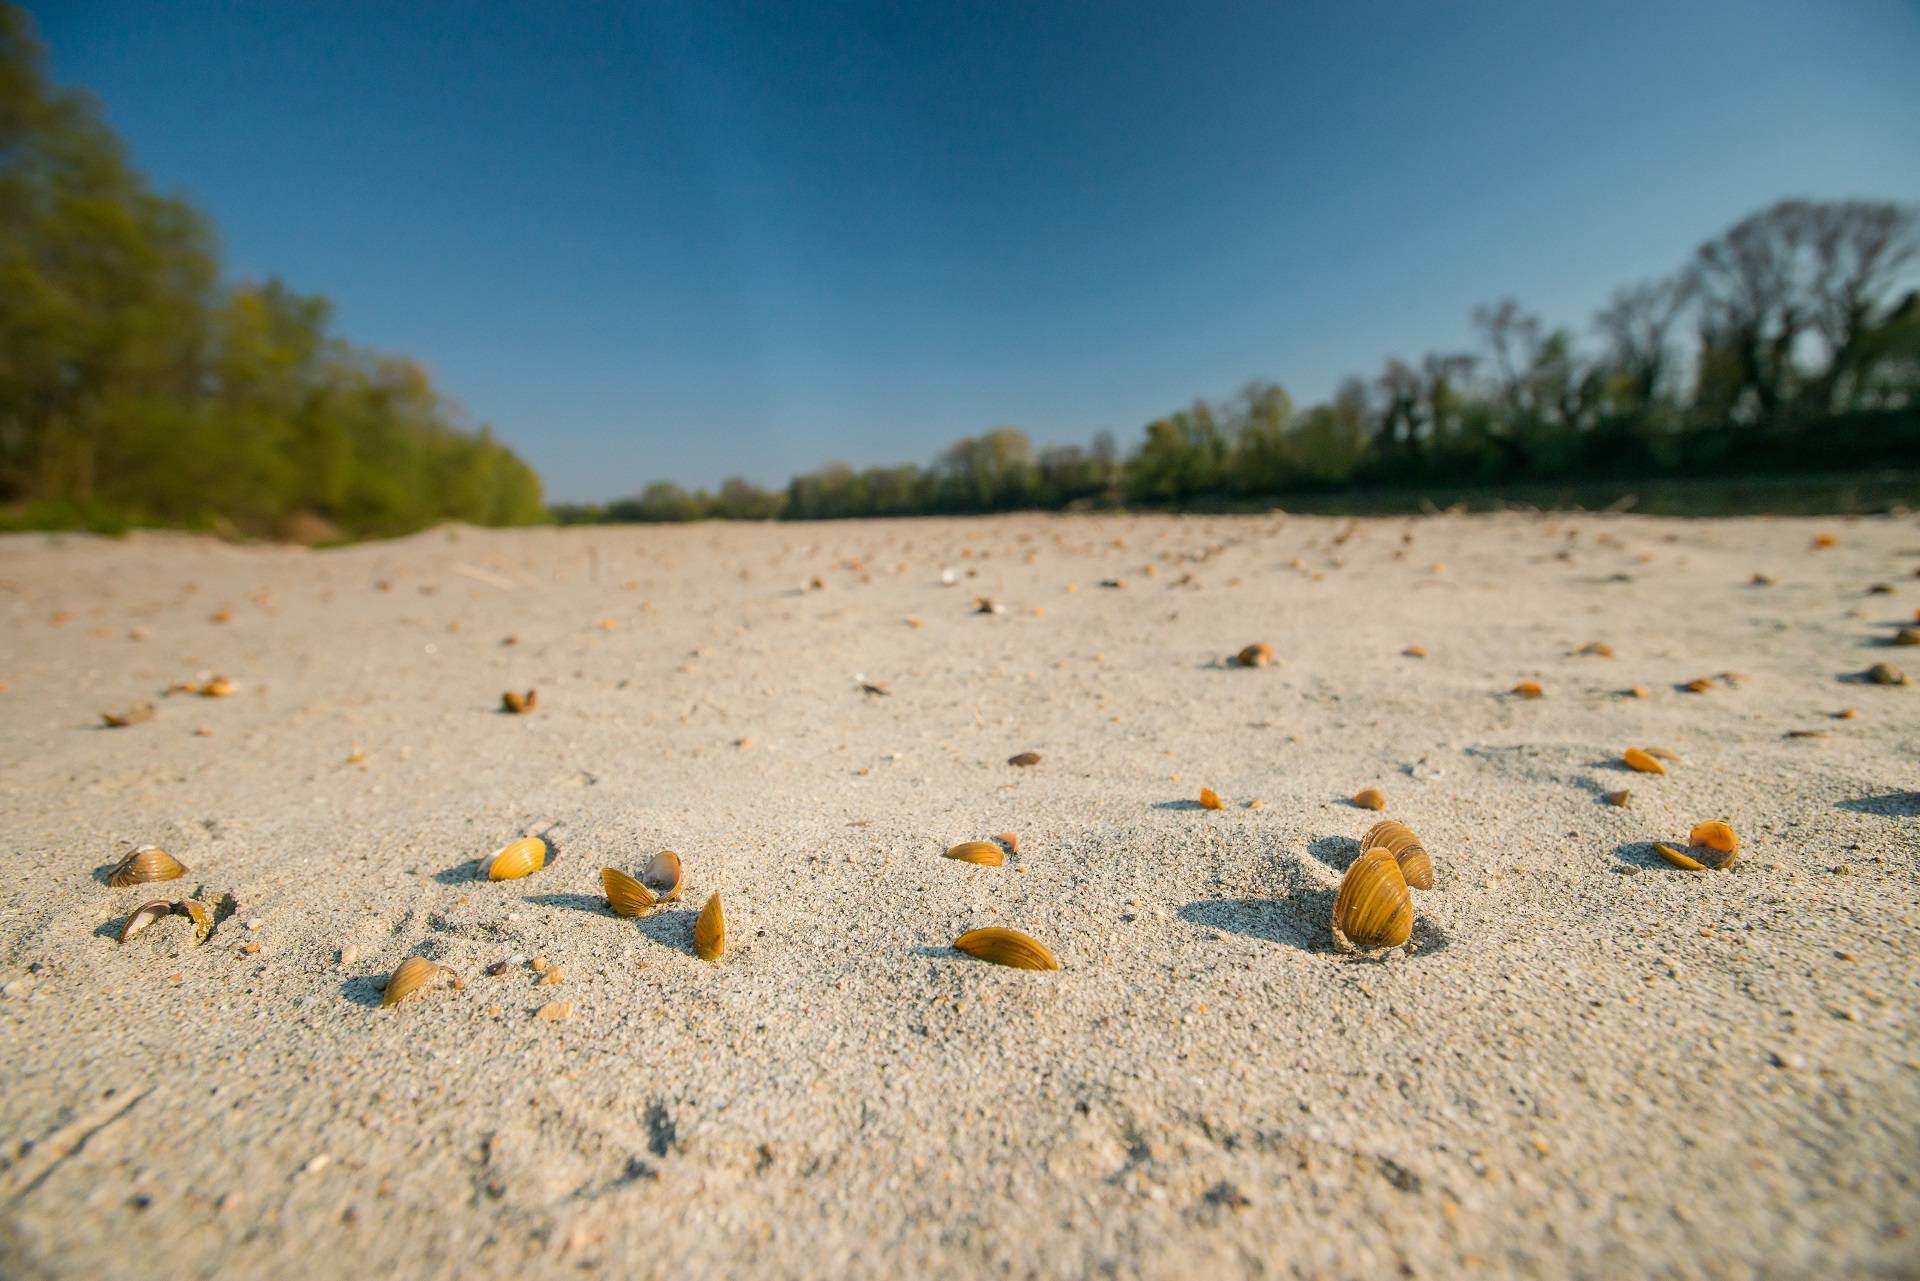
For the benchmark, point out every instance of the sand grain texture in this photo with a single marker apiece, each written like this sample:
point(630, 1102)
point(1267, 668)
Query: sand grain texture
point(1594, 1065)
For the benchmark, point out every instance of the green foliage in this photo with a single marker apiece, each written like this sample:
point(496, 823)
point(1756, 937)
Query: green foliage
point(1806, 357)
point(135, 388)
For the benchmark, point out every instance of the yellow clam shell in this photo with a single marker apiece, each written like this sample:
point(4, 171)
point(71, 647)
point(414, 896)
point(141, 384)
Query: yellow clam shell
point(1398, 840)
point(1678, 859)
point(1006, 947)
point(626, 896)
point(1644, 762)
point(517, 859)
point(148, 863)
point(710, 931)
point(985, 853)
point(1374, 909)
point(414, 974)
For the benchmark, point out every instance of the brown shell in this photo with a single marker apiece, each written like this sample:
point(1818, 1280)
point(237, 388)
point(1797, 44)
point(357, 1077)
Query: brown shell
point(1886, 674)
point(1714, 843)
point(1006, 947)
point(132, 716)
point(200, 914)
point(1210, 799)
point(710, 931)
point(517, 859)
point(1370, 798)
point(519, 704)
point(1638, 760)
point(1398, 840)
point(661, 876)
point(148, 863)
point(1024, 758)
point(1678, 859)
point(626, 896)
point(1528, 689)
point(414, 973)
point(1373, 910)
point(1258, 654)
point(1621, 798)
point(143, 916)
point(985, 853)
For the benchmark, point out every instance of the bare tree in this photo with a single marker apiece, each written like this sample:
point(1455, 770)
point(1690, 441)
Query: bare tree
point(1637, 323)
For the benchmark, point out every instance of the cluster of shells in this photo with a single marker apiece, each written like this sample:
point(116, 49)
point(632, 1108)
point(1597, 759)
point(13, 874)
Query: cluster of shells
point(1373, 911)
point(149, 864)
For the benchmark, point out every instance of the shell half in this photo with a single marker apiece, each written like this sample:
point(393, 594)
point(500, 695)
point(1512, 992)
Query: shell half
point(1007, 947)
point(1373, 910)
point(148, 863)
point(985, 853)
point(517, 859)
point(661, 876)
point(710, 931)
point(1398, 840)
point(626, 896)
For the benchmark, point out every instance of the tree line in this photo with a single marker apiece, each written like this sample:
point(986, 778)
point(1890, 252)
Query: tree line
point(1788, 343)
point(136, 387)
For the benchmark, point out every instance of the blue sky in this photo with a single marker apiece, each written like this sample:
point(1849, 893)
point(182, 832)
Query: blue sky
point(688, 241)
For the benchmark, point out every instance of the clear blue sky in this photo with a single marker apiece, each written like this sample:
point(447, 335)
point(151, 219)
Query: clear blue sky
point(687, 241)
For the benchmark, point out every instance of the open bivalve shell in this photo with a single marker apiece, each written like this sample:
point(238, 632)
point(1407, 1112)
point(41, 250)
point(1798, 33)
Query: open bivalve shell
point(1374, 909)
point(1398, 840)
point(658, 882)
point(985, 853)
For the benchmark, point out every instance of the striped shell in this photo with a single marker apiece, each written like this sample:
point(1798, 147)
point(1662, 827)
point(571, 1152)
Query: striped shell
point(1373, 909)
point(985, 853)
point(1638, 760)
point(148, 863)
point(1006, 947)
point(143, 916)
point(1398, 840)
point(414, 973)
point(710, 931)
point(517, 859)
point(626, 896)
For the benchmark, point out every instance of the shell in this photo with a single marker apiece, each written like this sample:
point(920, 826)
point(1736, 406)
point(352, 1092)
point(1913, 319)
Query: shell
point(1714, 843)
point(134, 715)
point(143, 916)
point(1210, 799)
point(1698, 685)
point(661, 876)
point(148, 863)
point(710, 931)
point(1886, 674)
point(1597, 649)
point(1906, 636)
point(1528, 689)
point(1638, 760)
point(1024, 758)
point(1662, 753)
point(1258, 654)
point(1373, 910)
point(1678, 859)
point(519, 704)
point(1621, 798)
point(985, 853)
point(1397, 839)
point(414, 973)
point(216, 687)
point(1011, 840)
point(1006, 947)
point(200, 914)
point(1370, 798)
point(517, 859)
point(626, 896)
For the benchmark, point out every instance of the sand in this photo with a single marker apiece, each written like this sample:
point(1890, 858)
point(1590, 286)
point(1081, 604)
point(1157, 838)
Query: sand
point(1593, 1065)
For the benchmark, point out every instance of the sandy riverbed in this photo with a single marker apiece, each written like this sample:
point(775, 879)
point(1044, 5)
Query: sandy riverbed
point(1594, 1065)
